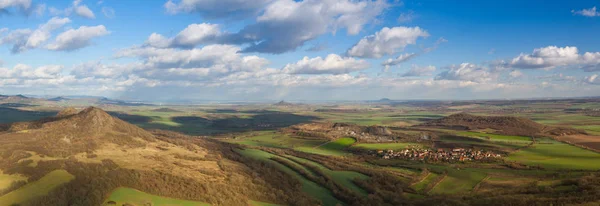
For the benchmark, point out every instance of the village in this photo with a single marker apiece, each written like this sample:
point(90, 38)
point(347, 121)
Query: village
point(438, 155)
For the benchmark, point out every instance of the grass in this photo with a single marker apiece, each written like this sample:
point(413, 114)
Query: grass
point(420, 186)
point(277, 140)
point(552, 154)
point(311, 188)
point(334, 148)
point(257, 203)
point(124, 195)
point(38, 188)
point(344, 178)
point(494, 137)
point(7, 180)
point(459, 181)
point(384, 146)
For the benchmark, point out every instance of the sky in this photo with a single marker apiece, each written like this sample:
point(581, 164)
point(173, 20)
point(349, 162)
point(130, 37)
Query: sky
point(303, 50)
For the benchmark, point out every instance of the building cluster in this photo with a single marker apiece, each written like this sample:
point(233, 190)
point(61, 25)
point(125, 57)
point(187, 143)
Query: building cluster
point(439, 155)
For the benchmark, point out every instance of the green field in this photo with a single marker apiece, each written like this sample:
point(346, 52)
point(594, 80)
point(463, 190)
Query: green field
point(38, 188)
point(494, 137)
point(277, 140)
point(344, 178)
point(335, 148)
point(257, 203)
point(459, 181)
point(309, 187)
point(552, 154)
point(420, 186)
point(382, 146)
point(124, 195)
point(7, 180)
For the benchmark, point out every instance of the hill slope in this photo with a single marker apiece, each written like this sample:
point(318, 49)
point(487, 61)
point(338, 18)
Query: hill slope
point(503, 124)
point(104, 153)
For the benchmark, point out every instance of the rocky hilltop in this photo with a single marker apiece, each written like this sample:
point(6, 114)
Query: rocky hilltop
point(72, 132)
point(337, 130)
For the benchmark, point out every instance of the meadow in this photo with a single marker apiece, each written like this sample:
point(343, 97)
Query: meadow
point(6, 180)
point(313, 189)
point(552, 154)
point(38, 188)
point(383, 146)
point(344, 178)
point(123, 196)
point(335, 148)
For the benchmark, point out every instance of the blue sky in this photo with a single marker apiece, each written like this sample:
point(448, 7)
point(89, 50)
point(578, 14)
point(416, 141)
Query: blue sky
point(261, 50)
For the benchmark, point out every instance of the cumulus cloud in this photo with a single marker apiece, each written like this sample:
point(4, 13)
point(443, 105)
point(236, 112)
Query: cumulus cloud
point(593, 79)
point(553, 56)
point(76, 8)
point(515, 74)
point(386, 42)
point(417, 71)
point(286, 25)
point(22, 71)
point(25, 6)
point(332, 64)
point(74, 39)
point(467, 72)
point(216, 8)
point(398, 60)
point(191, 36)
point(84, 11)
point(26, 39)
point(199, 63)
point(591, 12)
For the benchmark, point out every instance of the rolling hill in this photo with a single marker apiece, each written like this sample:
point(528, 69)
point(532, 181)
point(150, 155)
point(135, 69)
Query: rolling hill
point(93, 154)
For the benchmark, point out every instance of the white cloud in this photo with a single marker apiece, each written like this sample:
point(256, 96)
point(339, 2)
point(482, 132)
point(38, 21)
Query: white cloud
point(593, 79)
point(386, 42)
point(286, 25)
point(398, 60)
point(417, 71)
point(108, 12)
point(553, 56)
point(515, 74)
point(23, 4)
point(75, 8)
point(406, 17)
point(193, 64)
point(25, 39)
point(74, 39)
point(332, 64)
point(591, 12)
point(191, 36)
point(467, 72)
point(216, 8)
point(84, 11)
point(21, 71)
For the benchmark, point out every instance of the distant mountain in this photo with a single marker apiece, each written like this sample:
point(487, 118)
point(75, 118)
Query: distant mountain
point(284, 103)
point(58, 99)
point(105, 100)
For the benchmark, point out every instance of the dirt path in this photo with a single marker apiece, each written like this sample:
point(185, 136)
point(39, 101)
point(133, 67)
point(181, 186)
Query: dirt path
point(479, 184)
point(322, 144)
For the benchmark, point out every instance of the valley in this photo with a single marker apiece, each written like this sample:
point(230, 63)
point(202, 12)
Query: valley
point(296, 154)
